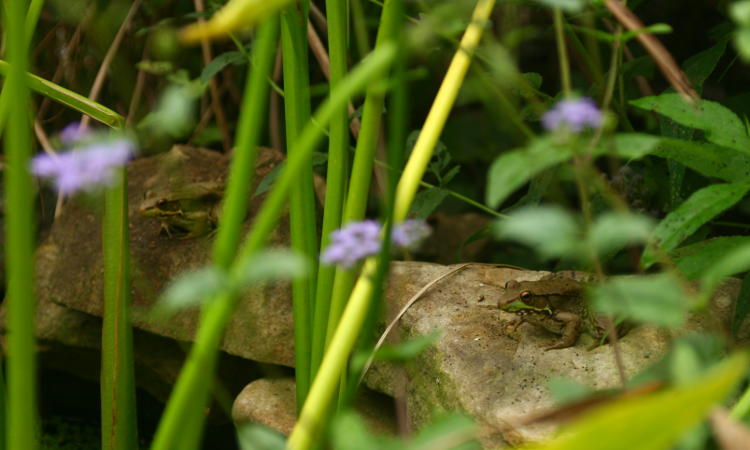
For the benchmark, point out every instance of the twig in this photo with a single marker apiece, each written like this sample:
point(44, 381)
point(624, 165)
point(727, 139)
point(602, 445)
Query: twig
point(659, 53)
point(107, 61)
point(221, 120)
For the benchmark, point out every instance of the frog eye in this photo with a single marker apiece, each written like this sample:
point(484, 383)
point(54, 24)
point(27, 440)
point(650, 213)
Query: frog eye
point(525, 295)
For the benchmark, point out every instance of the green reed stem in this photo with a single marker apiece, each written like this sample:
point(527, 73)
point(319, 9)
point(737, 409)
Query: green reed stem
point(301, 199)
point(19, 239)
point(562, 52)
point(117, 379)
point(364, 159)
point(191, 390)
point(336, 176)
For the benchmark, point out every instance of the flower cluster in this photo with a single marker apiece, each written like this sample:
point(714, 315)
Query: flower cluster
point(359, 240)
point(89, 165)
point(574, 115)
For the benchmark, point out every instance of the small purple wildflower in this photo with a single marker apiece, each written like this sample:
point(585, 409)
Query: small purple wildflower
point(72, 133)
point(574, 115)
point(410, 233)
point(359, 240)
point(85, 168)
point(352, 243)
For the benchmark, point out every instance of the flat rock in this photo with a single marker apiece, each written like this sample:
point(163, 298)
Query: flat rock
point(474, 366)
point(70, 268)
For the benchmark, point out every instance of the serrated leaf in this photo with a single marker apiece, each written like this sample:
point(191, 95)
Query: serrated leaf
point(702, 206)
point(657, 299)
point(694, 259)
point(427, 201)
point(640, 422)
point(701, 65)
point(270, 265)
point(720, 124)
point(513, 169)
point(551, 231)
point(613, 231)
point(220, 62)
point(254, 436)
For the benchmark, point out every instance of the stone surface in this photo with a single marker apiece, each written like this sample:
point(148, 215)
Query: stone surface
point(271, 402)
point(69, 268)
point(476, 367)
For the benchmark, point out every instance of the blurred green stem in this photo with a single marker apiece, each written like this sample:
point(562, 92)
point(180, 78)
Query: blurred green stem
point(337, 13)
point(301, 198)
point(562, 52)
point(118, 406)
point(20, 300)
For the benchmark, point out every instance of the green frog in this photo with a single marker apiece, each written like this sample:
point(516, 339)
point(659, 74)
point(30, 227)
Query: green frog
point(556, 304)
point(186, 211)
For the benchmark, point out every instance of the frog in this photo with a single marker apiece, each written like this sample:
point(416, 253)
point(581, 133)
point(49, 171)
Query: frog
point(186, 211)
point(555, 304)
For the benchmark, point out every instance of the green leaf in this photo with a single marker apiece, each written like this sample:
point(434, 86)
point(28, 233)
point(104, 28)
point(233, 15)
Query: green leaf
point(701, 65)
point(735, 261)
point(426, 201)
point(708, 159)
point(702, 206)
point(220, 62)
point(349, 432)
point(271, 265)
point(742, 308)
point(175, 113)
point(740, 12)
point(457, 429)
point(630, 145)
point(189, 289)
point(406, 350)
point(70, 99)
point(694, 259)
point(614, 230)
point(550, 230)
point(657, 299)
point(565, 390)
point(512, 170)
point(640, 422)
point(720, 125)
point(571, 6)
point(258, 437)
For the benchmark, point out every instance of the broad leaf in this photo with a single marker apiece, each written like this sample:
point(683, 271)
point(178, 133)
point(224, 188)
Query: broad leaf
point(694, 259)
point(512, 170)
point(640, 422)
point(551, 231)
point(708, 159)
point(735, 261)
point(220, 62)
point(613, 231)
point(720, 125)
point(253, 436)
point(270, 265)
point(191, 288)
point(698, 209)
point(657, 299)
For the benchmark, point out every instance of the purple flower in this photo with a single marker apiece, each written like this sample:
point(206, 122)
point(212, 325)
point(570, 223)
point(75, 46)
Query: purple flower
point(85, 168)
point(352, 243)
point(574, 115)
point(358, 240)
point(410, 233)
point(72, 133)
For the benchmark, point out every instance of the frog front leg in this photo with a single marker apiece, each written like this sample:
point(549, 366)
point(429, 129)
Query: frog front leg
point(570, 332)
